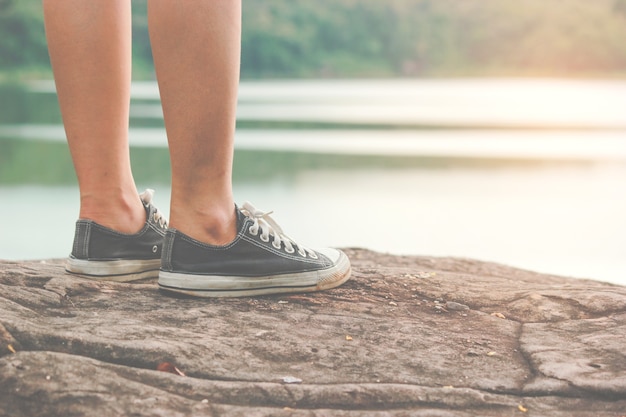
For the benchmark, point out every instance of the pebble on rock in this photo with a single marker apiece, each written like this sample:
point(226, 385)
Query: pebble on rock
point(451, 305)
point(291, 380)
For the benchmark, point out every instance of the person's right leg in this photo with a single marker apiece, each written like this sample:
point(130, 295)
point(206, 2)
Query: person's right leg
point(90, 52)
point(118, 236)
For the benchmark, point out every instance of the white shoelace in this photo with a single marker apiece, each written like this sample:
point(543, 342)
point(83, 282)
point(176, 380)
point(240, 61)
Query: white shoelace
point(269, 227)
point(158, 217)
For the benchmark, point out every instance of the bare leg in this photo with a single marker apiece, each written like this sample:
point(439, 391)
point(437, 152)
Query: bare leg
point(90, 51)
point(196, 49)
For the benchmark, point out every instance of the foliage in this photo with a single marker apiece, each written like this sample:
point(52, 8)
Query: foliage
point(351, 38)
point(22, 38)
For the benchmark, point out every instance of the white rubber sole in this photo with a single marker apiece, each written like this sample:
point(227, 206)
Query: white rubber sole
point(119, 271)
point(240, 286)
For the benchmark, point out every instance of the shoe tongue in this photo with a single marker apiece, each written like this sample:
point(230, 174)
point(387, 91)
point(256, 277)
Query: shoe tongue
point(146, 200)
point(148, 208)
point(241, 218)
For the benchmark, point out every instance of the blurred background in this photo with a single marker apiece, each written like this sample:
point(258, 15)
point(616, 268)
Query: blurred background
point(470, 128)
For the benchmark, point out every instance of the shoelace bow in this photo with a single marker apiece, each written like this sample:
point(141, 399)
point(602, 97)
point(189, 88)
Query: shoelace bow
point(269, 227)
point(158, 217)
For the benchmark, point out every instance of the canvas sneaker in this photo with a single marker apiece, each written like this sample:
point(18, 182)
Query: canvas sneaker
point(261, 260)
point(105, 254)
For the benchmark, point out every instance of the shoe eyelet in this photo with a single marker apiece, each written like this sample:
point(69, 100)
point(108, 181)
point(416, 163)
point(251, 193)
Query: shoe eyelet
point(155, 248)
point(290, 250)
point(265, 238)
point(313, 256)
point(277, 246)
point(252, 231)
point(302, 253)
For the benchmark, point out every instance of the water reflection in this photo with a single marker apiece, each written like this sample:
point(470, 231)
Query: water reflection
point(545, 199)
point(561, 219)
point(18, 105)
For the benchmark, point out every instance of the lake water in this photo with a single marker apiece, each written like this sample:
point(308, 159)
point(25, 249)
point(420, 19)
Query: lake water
point(529, 173)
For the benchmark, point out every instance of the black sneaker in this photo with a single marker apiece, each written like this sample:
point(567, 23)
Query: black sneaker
point(103, 253)
point(261, 260)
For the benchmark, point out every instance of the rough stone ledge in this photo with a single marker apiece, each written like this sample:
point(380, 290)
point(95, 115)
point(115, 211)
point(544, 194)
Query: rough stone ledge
point(416, 336)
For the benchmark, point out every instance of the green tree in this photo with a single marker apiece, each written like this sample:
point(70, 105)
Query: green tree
point(354, 38)
point(22, 36)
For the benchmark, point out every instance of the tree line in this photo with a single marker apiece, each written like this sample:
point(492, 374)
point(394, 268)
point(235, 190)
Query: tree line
point(374, 38)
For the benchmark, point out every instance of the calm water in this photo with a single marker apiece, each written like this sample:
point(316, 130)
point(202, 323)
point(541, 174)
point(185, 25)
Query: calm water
point(458, 168)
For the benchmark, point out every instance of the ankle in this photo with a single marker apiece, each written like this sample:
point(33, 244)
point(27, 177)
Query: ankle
point(215, 226)
point(122, 213)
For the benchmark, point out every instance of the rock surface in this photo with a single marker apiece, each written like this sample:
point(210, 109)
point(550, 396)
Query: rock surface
point(406, 336)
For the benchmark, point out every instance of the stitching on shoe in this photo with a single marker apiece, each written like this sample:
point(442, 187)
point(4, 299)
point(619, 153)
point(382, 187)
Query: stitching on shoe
point(151, 226)
point(77, 240)
point(86, 240)
point(105, 229)
point(166, 254)
point(281, 253)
